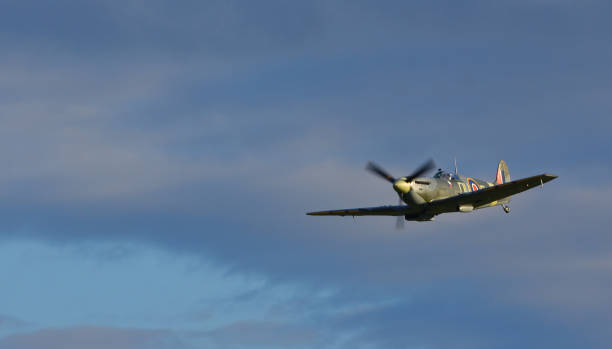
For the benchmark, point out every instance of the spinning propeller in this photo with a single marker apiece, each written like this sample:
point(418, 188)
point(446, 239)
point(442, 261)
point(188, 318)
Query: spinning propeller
point(377, 170)
point(401, 185)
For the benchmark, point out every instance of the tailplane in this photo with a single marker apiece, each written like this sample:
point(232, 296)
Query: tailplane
point(503, 175)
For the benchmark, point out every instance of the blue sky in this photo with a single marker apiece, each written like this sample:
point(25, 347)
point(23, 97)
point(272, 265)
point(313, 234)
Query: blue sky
point(158, 159)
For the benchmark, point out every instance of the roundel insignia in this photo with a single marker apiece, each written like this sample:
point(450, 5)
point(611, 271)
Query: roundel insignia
point(472, 184)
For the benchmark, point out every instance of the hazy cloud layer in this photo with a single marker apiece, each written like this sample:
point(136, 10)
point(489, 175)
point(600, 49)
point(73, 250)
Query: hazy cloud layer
point(92, 337)
point(208, 129)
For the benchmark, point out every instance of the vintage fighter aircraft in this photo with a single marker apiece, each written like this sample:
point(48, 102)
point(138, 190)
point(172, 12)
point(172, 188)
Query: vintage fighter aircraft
point(426, 197)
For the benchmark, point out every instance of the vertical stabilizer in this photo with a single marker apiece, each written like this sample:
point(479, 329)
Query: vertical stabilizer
point(503, 175)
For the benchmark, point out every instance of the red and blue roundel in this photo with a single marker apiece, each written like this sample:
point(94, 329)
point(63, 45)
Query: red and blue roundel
point(472, 184)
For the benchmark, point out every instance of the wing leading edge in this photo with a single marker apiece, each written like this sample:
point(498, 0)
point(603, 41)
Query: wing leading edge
point(367, 211)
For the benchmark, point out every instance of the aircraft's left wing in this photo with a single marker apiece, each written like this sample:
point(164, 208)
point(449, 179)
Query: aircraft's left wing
point(488, 195)
point(367, 211)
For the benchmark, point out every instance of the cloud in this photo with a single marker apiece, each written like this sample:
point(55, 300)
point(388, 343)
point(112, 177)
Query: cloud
point(463, 318)
point(11, 323)
point(209, 129)
point(93, 337)
point(261, 334)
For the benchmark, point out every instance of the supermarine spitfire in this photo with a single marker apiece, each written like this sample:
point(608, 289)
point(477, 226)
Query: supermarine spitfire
point(426, 197)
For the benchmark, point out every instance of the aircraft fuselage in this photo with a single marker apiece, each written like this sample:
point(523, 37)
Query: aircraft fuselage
point(447, 185)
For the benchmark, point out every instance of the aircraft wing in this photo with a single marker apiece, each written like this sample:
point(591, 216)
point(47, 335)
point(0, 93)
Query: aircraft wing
point(488, 195)
point(367, 211)
point(476, 198)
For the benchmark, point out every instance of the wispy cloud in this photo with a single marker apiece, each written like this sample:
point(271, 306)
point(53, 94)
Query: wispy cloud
point(208, 129)
point(93, 337)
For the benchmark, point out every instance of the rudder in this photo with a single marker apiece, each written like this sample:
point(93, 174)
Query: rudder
point(503, 175)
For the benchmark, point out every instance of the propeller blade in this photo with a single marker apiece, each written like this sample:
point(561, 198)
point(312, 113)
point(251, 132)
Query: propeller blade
point(426, 167)
point(399, 223)
point(372, 167)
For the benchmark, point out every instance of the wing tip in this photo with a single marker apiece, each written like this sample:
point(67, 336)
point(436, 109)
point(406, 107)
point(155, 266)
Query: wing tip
point(319, 213)
point(549, 177)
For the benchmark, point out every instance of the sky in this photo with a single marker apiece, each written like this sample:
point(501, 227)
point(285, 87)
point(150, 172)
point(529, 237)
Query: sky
point(158, 159)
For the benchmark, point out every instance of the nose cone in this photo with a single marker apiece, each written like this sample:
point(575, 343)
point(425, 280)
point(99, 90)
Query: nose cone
point(401, 186)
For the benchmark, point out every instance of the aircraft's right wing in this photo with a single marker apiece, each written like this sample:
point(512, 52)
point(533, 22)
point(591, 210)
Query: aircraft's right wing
point(488, 195)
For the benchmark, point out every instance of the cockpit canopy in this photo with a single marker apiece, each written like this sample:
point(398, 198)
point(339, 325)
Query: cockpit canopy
point(445, 175)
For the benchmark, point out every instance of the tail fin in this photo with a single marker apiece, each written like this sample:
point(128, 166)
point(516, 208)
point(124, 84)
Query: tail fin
point(503, 175)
